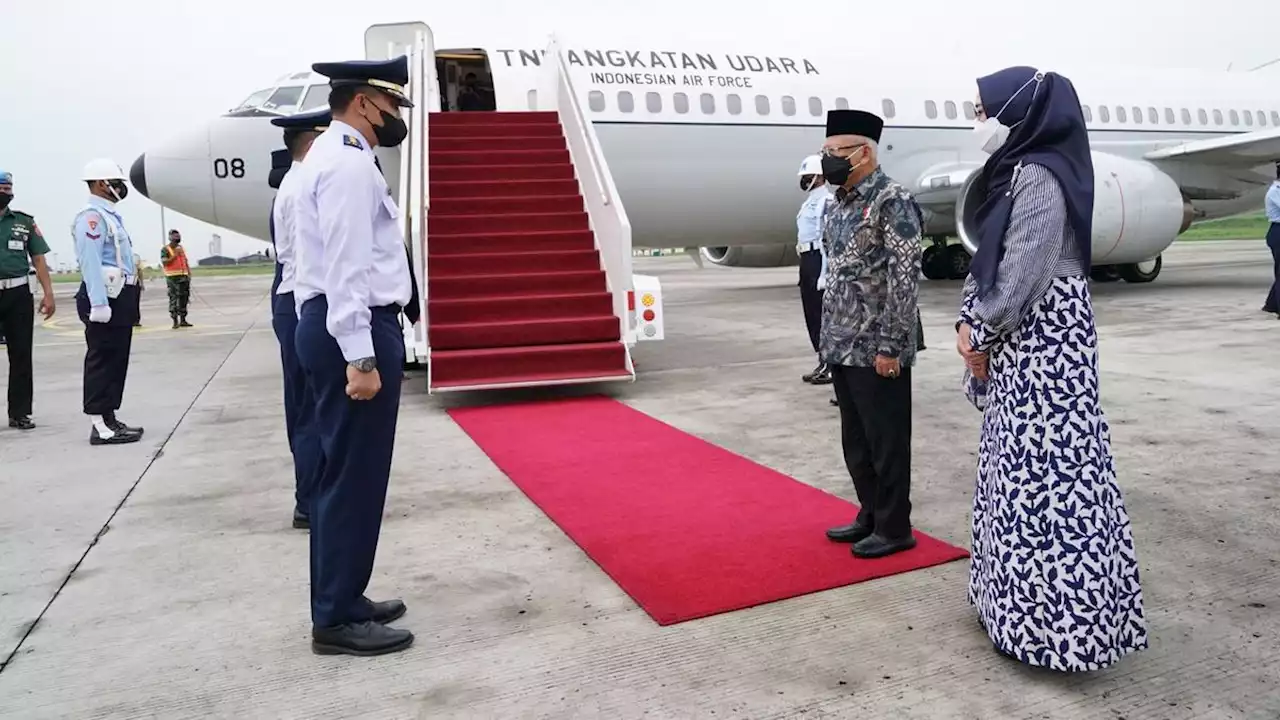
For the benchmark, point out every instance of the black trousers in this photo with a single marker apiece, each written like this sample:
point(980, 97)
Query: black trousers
point(810, 295)
point(106, 359)
point(875, 430)
point(17, 319)
point(1273, 242)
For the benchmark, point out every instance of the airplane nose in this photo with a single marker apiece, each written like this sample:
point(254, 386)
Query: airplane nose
point(138, 175)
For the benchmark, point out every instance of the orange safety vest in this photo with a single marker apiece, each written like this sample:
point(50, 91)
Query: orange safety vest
point(174, 261)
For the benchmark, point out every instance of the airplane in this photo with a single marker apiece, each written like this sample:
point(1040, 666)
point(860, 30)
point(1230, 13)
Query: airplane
point(703, 144)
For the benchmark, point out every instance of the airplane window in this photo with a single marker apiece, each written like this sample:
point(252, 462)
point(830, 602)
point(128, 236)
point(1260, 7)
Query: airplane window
point(1204, 116)
point(1169, 119)
point(1275, 117)
point(708, 104)
point(1121, 114)
point(1088, 113)
point(1235, 118)
point(1104, 114)
point(815, 107)
point(1186, 116)
point(1262, 118)
point(788, 105)
point(843, 104)
point(254, 100)
point(653, 102)
point(1217, 117)
point(762, 104)
point(734, 104)
point(950, 109)
point(1153, 115)
point(626, 103)
point(931, 109)
point(681, 102)
point(284, 97)
point(1137, 115)
point(1248, 118)
point(595, 101)
point(971, 113)
point(887, 105)
point(317, 95)
point(532, 98)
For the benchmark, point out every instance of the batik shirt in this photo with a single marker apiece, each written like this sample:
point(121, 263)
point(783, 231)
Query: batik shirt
point(872, 241)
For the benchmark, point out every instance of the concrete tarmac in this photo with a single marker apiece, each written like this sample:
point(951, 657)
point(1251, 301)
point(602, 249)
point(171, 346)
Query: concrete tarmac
point(162, 580)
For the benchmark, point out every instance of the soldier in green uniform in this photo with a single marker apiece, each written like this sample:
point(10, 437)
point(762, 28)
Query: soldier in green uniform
point(21, 247)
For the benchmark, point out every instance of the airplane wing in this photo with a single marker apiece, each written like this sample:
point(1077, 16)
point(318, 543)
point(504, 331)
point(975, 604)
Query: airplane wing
point(1246, 150)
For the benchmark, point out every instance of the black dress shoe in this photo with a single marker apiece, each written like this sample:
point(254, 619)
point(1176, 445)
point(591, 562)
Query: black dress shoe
point(22, 423)
point(363, 639)
point(387, 611)
point(848, 533)
point(117, 438)
point(878, 546)
point(301, 521)
point(119, 427)
point(814, 373)
point(834, 402)
point(822, 378)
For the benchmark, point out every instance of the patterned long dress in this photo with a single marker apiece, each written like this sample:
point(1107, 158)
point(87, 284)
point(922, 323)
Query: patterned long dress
point(1054, 575)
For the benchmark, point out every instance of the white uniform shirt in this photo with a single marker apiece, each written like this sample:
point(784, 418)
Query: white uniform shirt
point(347, 240)
point(286, 226)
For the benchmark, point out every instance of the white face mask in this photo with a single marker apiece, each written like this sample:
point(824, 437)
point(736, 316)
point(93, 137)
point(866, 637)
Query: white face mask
point(991, 135)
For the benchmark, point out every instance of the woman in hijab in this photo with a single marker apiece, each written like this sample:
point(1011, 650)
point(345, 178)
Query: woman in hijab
point(1054, 574)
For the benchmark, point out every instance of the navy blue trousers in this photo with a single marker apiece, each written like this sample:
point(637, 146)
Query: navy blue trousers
point(107, 347)
point(357, 438)
point(810, 295)
point(1272, 303)
point(299, 406)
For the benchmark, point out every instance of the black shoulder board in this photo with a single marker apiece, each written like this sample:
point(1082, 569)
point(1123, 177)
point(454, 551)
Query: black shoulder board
point(350, 141)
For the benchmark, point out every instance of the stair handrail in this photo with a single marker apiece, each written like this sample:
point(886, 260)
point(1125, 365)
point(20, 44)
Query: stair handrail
point(430, 93)
point(608, 217)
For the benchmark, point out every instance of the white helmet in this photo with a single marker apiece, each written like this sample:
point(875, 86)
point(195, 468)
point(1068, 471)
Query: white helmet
point(103, 169)
point(812, 165)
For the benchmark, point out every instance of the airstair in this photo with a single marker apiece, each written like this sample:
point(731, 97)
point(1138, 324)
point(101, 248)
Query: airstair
point(520, 242)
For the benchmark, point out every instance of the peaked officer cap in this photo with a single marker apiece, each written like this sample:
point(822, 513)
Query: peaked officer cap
point(6, 177)
point(317, 120)
point(854, 122)
point(389, 76)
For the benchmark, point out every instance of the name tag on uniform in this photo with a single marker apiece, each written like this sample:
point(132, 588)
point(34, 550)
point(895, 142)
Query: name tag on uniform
point(17, 245)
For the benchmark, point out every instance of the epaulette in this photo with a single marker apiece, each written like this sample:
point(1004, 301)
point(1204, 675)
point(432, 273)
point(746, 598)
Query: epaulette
point(19, 213)
point(351, 141)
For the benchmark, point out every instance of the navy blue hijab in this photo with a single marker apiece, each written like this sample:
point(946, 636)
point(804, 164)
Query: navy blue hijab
point(1047, 129)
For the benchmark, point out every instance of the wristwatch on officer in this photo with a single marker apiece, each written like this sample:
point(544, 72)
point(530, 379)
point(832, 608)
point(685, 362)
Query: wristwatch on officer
point(364, 365)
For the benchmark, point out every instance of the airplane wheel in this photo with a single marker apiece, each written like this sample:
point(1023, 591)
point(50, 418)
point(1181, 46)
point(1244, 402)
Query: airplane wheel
point(1106, 273)
point(957, 262)
point(932, 263)
point(1143, 272)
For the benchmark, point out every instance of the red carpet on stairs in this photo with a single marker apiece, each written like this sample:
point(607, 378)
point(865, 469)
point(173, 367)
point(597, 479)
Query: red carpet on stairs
point(686, 528)
point(516, 292)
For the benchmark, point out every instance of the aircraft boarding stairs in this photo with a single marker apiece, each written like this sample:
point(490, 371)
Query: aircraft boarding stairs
point(520, 243)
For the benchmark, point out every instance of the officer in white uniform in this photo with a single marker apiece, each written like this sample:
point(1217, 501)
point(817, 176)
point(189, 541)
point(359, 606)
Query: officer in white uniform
point(107, 301)
point(351, 280)
point(809, 223)
point(300, 131)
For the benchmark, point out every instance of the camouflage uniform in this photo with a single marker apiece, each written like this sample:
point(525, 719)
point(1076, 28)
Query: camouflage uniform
point(872, 240)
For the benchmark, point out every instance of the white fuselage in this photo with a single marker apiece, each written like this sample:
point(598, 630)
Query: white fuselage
point(704, 144)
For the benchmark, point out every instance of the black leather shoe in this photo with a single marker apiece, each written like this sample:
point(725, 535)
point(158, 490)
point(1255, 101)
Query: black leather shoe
point(119, 427)
point(848, 533)
point(822, 378)
point(22, 423)
point(301, 521)
point(877, 546)
point(814, 373)
point(363, 639)
point(834, 402)
point(119, 438)
point(184, 323)
point(387, 611)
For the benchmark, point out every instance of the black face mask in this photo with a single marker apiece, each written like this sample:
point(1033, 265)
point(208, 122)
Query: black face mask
point(808, 182)
point(5, 199)
point(392, 131)
point(122, 190)
point(836, 170)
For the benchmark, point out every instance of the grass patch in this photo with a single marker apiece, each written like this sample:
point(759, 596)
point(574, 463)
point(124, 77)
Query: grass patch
point(157, 275)
point(1240, 227)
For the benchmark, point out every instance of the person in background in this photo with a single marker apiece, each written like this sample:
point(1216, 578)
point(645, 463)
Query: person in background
point(1272, 304)
point(177, 278)
point(868, 337)
point(107, 301)
point(1053, 572)
point(142, 285)
point(299, 404)
point(809, 222)
point(351, 280)
point(23, 246)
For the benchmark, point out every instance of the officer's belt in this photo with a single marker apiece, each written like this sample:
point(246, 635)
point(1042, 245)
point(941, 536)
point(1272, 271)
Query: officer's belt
point(809, 246)
point(10, 283)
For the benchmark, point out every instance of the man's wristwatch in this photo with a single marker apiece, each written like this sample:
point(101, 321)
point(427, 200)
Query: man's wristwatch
point(364, 364)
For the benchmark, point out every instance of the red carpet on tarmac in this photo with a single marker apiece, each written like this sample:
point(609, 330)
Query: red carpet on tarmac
point(686, 528)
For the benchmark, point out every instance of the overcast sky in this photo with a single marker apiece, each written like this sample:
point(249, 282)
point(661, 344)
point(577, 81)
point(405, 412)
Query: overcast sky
point(87, 78)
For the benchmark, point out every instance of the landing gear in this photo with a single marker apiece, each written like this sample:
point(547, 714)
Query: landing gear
point(941, 261)
point(1104, 273)
point(1143, 272)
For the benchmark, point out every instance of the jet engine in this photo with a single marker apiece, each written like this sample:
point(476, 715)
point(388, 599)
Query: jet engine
point(1138, 210)
point(780, 255)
